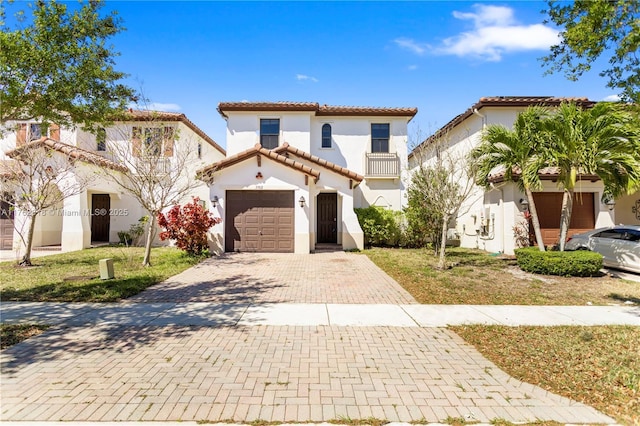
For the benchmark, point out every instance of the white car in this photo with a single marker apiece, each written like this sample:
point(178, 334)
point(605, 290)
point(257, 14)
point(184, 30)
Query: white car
point(619, 245)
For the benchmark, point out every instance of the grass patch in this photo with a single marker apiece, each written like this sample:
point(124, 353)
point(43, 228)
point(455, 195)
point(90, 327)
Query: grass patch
point(479, 278)
point(74, 276)
point(598, 366)
point(11, 334)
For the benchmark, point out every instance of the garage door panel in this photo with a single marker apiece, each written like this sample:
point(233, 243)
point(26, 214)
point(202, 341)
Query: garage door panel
point(268, 232)
point(260, 221)
point(269, 220)
point(549, 208)
point(251, 218)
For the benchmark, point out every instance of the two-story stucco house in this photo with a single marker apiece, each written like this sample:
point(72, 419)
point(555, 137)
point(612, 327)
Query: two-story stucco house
point(295, 172)
point(145, 141)
point(488, 219)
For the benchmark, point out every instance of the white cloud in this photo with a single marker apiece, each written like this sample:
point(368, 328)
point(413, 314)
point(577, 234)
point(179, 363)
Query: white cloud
point(412, 67)
point(303, 77)
point(411, 45)
point(612, 98)
point(156, 106)
point(495, 32)
point(488, 16)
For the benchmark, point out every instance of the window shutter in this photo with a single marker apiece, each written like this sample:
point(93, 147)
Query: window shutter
point(54, 132)
point(21, 136)
point(136, 141)
point(168, 141)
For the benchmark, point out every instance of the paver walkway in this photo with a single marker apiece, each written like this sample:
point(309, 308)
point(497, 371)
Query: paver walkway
point(246, 372)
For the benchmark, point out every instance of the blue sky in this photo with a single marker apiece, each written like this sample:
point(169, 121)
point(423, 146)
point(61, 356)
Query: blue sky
point(438, 56)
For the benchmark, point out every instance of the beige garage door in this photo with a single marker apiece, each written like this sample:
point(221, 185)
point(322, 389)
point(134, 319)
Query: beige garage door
point(259, 221)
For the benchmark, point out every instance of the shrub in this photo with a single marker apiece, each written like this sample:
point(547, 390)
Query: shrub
point(579, 263)
point(380, 226)
point(188, 225)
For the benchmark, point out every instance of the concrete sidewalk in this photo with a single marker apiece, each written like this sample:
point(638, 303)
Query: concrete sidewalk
point(300, 314)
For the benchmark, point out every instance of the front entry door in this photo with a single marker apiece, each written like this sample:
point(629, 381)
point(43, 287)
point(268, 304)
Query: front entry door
point(327, 218)
point(100, 205)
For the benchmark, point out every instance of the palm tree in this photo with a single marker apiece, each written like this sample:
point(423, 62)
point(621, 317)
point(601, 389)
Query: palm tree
point(601, 141)
point(518, 151)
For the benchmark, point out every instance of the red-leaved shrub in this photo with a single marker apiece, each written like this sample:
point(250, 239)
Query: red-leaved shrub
point(188, 225)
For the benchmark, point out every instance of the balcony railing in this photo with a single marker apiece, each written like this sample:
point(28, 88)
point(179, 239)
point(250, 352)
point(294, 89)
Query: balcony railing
point(153, 166)
point(382, 164)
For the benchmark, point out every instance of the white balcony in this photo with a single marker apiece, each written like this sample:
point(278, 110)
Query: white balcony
point(382, 165)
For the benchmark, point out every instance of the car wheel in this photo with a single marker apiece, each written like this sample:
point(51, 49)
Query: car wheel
point(583, 248)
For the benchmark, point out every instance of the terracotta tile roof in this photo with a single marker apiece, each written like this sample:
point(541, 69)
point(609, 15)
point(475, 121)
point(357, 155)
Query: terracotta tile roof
point(362, 111)
point(68, 150)
point(319, 110)
point(139, 115)
point(208, 171)
point(288, 149)
point(501, 101)
point(546, 173)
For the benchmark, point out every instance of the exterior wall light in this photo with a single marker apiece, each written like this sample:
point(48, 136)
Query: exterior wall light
point(610, 203)
point(524, 203)
point(301, 201)
point(214, 201)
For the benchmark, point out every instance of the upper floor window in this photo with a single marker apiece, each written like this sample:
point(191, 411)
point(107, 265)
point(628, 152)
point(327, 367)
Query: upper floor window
point(199, 150)
point(326, 135)
point(152, 141)
point(379, 137)
point(101, 140)
point(28, 132)
point(269, 132)
point(35, 131)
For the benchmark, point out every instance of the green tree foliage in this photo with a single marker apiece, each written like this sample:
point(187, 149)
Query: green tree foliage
point(56, 65)
point(424, 213)
point(381, 227)
point(435, 196)
point(595, 28)
point(520, 151)
point(602, 141)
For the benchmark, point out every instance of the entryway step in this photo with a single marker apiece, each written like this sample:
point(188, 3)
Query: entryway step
point(323, 248)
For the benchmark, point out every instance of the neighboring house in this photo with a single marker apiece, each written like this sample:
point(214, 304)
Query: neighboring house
point(296, 171)
point(101, 209)
point(488, 219)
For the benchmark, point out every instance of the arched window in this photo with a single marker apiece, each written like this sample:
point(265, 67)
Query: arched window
point(326, 135)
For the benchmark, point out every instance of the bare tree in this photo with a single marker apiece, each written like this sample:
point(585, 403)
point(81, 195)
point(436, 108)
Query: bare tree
point(43, 174)
point(159, 171)
point(440, 188)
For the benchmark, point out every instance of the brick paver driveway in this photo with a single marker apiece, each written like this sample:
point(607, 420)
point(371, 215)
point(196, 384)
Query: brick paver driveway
point(281, 278)
point(272, 373)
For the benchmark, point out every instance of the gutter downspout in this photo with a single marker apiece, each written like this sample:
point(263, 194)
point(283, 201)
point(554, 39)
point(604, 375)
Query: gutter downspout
point(499, 188)
point(483, 117)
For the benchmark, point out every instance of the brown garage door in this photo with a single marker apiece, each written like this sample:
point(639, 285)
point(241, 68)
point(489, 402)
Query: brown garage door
point(549, 207)
point(6, 226)
point(259, 221)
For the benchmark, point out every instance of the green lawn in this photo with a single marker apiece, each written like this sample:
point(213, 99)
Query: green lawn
point(479, 278)
point(74, 276)
point(599, 366)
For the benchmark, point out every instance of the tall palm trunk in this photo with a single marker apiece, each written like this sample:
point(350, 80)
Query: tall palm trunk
point(534, 219)
point(565, 218)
